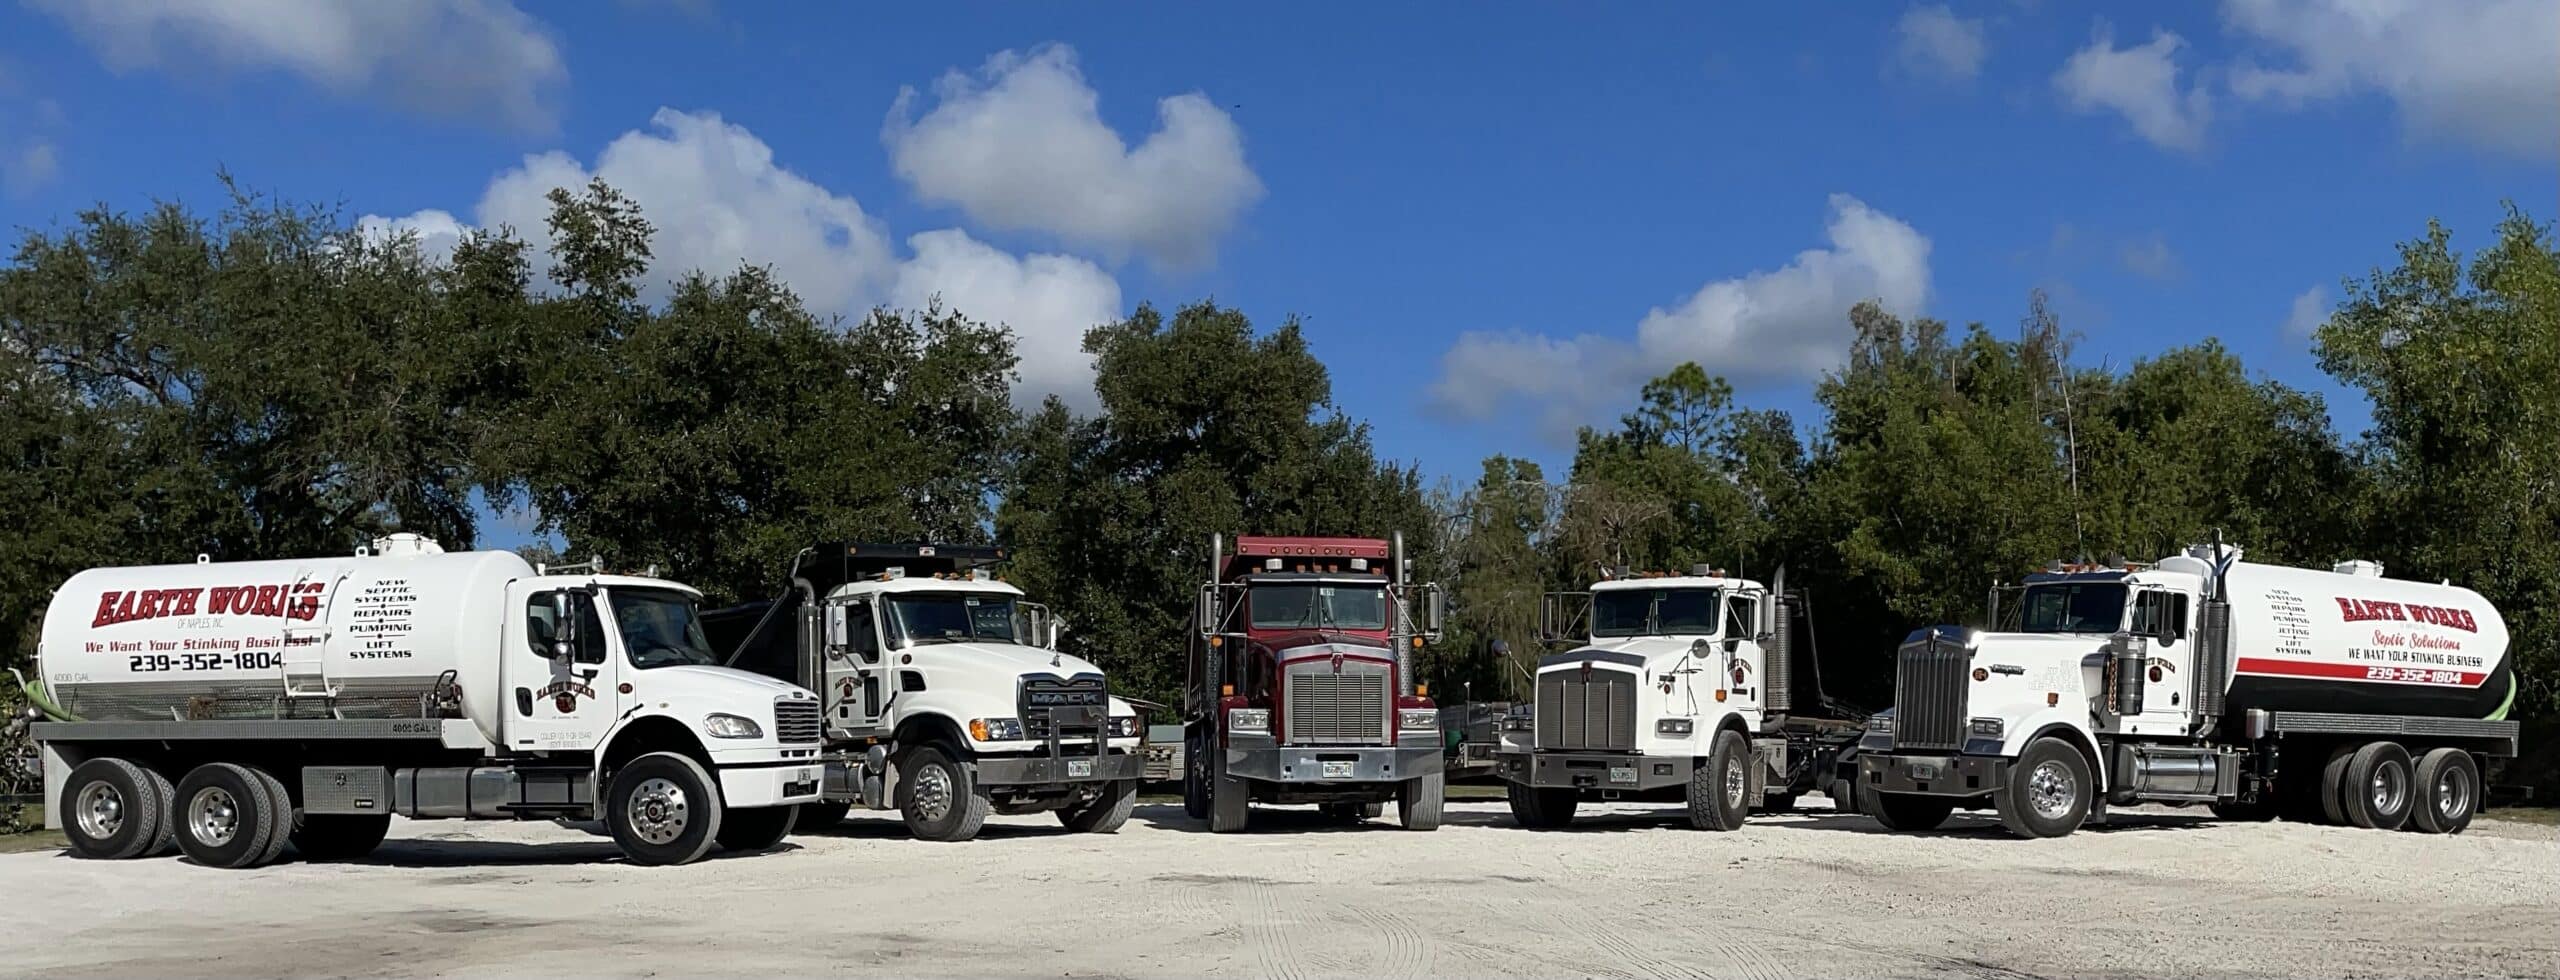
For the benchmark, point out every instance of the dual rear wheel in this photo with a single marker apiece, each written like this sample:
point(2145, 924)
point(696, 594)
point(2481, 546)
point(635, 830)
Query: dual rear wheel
point(2381, 786)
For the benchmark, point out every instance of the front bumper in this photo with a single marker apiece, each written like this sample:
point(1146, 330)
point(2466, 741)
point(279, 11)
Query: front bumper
point(1032, 770)
point(1928, 774)
point(1595, 770)
point(1265, 759)
point(771, 784)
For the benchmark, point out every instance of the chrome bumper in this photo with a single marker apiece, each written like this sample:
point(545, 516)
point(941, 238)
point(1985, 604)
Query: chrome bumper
point(1265, 759)
point(1595, 770)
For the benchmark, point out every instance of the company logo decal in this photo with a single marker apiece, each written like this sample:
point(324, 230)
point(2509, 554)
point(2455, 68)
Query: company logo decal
point(2371, 610)
point(298, 600)
point(564, 694)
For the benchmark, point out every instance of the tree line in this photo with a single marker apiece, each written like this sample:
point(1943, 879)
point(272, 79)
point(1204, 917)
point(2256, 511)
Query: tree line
point(268, 381)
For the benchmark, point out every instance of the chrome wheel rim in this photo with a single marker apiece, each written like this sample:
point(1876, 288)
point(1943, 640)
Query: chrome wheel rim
point(932, 793)
point(1734, 783)
point(660, 811)
point(99, 810)
point(2050, 790)
point(2453, 793)
point(2390, 788)
point(213, 816)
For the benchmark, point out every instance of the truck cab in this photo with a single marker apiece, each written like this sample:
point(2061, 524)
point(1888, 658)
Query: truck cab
point(1300, 685)
point(945, 696)
point(1678, 691)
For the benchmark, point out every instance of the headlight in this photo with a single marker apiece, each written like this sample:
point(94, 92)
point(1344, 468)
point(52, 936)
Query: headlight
point(1249, 719)
point(1418, 719)
point(996, 729)
point(1880, 724)
point(1124, 726)
point(1989, 727)
point(1674, 726)
point(732, 726)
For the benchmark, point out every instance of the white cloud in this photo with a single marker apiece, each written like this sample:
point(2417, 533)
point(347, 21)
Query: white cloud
point(1933, 41)
point(2141, 84)
point(1022, 146)
point(717, 199)
point(1785, 324)
point(29, 167)
point(460, 58)
point(2482, 71)
point(2309, 311)
point(2151, 258)
point(1048, 300)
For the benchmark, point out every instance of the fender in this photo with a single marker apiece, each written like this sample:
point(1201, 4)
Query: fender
point(2072, 731)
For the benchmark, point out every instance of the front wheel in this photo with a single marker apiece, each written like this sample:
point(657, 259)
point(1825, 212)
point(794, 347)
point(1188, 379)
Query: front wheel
point(1419, 802)
point(1719, 791)
point(941, 800)
point(1229, 803)
point(1907, 811)
point(1105, 813)
point(663, 808)
point(2048, 791)
point(757, 829)
point(1195, 780)
point(1542, 808)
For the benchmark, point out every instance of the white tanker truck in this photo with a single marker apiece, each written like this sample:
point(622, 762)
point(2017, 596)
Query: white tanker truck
point(2334, 696)
point(235, 707)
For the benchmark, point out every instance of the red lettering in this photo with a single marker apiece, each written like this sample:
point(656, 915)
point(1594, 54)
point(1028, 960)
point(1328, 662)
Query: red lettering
point(106, 610)
point(265, 604)
point(2467, 622)
point(124, 609)
point(2347, 610)
point(187, 602)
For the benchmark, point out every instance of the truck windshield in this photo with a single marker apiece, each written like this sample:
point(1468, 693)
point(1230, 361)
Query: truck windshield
point(2072, 607)
point(660, 628)
point(950, 617)
point(1313, 606)
point(1638, 612)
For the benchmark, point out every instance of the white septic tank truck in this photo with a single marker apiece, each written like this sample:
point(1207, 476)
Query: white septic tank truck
point(2327, 695)
point(945, 696)
point(235, 708)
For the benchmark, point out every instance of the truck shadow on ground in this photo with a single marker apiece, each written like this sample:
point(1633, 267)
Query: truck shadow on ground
point(1982, 824)
point(1278, 819)
point(889, 827)
point(434, 853)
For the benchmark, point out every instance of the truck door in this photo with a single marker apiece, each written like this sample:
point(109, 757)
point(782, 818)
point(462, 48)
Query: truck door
point(2163, 621)
point(1743, 663)
point(559, 668)
point(857, 684)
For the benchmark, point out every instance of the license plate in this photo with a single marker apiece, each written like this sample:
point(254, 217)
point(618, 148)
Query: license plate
point(1924, 770)
point(1622, 774)
point(1338, 770)
point(1079, 767)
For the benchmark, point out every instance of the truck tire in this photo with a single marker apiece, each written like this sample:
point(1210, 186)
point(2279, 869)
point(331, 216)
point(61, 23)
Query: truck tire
point(2333, 785)
point(1907, 811)
point(2381, 786)
point(2049, 790)
point(2448, 790)
point(1542, 808)
point(663, 809)
point(280, 802)
point(225, 817)
point(821, 816)
point(1419, 801)
point(1103, 814)
point(1230, 803)
point(941, 800)
point(340, 836)
point(112, 810)
point(168, 842)
point(1719, 791)
point(1195, 780)
point(754, 830)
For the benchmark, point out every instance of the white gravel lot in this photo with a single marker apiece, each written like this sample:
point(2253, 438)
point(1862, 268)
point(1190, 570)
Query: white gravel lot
point(1628, 892)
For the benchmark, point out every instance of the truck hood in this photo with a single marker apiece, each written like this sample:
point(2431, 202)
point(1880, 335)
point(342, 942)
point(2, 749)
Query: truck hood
point(719, 678)
point(1009, 657)
point(1632, 652)
point(2045, 661)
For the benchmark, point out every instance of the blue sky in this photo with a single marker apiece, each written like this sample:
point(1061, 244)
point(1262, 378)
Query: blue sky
point(1495, 219)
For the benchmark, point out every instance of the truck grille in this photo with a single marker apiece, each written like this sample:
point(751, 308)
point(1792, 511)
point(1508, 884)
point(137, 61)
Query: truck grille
point(795, 720)
point(1929, 689)
point(1593, 709)
point(1328, 708)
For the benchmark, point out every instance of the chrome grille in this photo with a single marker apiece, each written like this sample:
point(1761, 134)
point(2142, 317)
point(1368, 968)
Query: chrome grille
point(1929, 689)
point(795, 720)
point(1328, 708)
point(1590, 710)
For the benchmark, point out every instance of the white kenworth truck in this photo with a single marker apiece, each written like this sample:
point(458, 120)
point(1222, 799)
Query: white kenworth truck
point(1686, 689)
point(945, 696)
point(2336, 696)
point(238, 707)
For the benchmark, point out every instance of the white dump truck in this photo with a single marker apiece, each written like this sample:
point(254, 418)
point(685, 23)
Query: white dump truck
point(2332, 695)
point(235, 707)
point(945, 696)
point(1685, 689)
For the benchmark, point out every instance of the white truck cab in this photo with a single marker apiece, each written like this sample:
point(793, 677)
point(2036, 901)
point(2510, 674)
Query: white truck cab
point(945, 696)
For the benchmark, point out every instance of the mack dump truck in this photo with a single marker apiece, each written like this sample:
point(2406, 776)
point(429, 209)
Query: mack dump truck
point(1685, 689)
point(1300, 687)
point(235, 707)
point(2334, 696)
point(945, 696)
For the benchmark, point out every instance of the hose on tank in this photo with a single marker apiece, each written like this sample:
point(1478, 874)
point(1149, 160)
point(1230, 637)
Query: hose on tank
point(35, 693)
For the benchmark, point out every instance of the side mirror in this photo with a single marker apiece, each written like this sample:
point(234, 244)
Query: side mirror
point(1057, 628)
point(838, 631)
point(564, 625)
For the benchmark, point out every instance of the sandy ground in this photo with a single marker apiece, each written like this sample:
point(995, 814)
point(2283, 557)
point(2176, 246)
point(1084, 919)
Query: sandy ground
point(1627, 893)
